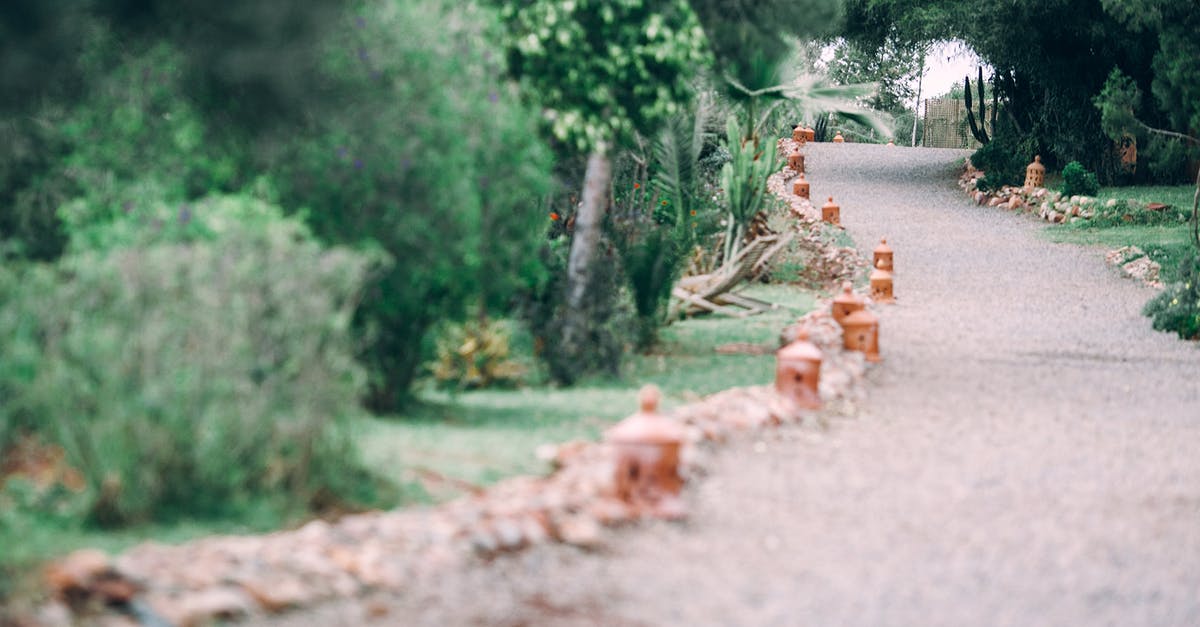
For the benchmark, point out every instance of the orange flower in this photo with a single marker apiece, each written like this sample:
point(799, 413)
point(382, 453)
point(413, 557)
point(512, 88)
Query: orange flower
point(637, 185)
point(693, 212)
point(554, 216)
point(664, 203)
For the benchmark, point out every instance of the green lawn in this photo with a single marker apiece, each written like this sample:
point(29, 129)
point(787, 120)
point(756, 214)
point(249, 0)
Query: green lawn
point(480, 437)
point(1166, 244)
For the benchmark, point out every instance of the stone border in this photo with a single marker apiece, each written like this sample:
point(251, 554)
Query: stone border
point(1055, 208)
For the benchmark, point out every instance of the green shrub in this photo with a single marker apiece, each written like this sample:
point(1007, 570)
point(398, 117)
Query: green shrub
point(1077, 181)
point(191, 378)
point(476, 354)
point(1003, 160)
point(1177, 308)
point(447, 181)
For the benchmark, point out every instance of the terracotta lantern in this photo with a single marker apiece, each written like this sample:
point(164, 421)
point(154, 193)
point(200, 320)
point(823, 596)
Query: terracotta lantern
point(883, 255)
point(845, 303)
point(891, 144)
point(810, 134)
point(798, 135)
point(1035, 173)
point(800, 186)
point(838, 139)
point(798, 372)
point(831, 213)
point(860, 332)
point(796, 160)
point(881, 285)
point(647, 459)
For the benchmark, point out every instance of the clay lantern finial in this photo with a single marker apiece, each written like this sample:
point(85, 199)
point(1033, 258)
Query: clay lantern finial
point(831, 213)
point(838, 139)
point(798, 371)
point(798, 134)
point(891, 144)
point(860, 332)
point(647, 459)
point(881, 284)
point(845, 303)
point(883, 255)
point(796, 160)
point(1035, 173)
point(800, 186)
point(810, 134)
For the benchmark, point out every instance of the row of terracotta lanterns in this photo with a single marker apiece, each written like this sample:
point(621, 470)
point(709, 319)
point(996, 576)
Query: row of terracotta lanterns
point(830, 211)
point(647, 444)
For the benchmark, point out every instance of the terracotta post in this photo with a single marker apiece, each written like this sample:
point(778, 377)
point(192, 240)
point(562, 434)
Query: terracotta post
point(647, 459)
point(798, 135)
point(860, 332)
point(883, 256)
point(881, 285)
point(831, 213)
point(800, 186)
point(838, 139)
point(798, 372)
point(845, 303)
point(1035, 173)
point(796, 160)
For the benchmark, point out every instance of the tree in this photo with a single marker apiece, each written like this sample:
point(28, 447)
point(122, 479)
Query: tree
point(602, 70)
point(1034, 47)
point(892, 65)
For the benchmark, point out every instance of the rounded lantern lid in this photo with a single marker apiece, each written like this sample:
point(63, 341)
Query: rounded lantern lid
point(847, 296)
point(800, 350)
point(860, 318)
point(829, 204)
point(647, 426)
point(1037, 164)
point(883, 247)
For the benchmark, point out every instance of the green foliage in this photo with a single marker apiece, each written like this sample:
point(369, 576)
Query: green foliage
point(744, 181)
point(892, 65)
point(655, 226)
point(193, 374)
point(476, 354)
point(1118, 102)
point(604, 69)
point(1045, 96)
point(1003, 160)
point(1078, 181)
point(1177, 308)
point(542, 303)
point(978, 130)
point(445, 180)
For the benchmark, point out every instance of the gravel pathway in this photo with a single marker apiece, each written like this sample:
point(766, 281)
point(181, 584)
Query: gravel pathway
point(1029, 454)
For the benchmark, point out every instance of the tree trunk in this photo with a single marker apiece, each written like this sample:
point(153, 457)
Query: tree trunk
point(584, 242)
point(917, 110)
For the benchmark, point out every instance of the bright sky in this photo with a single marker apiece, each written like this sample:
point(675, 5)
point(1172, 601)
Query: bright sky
point(946, 65)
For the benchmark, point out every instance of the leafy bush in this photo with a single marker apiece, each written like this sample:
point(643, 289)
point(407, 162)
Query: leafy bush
point(1003, 161)
point(542, 303)
point(1078, 181)
point(1177, 308)
point(476, 355)
point(453, 198)
point(192, 377)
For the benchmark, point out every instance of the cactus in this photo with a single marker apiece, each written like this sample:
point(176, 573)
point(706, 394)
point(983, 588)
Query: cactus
point(978, 129)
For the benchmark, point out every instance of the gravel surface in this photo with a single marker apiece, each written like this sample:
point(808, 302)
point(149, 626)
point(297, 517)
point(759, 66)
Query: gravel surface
point(1028, 454)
